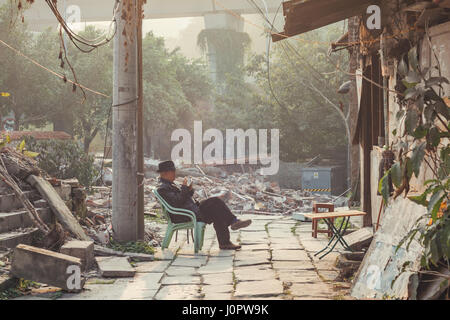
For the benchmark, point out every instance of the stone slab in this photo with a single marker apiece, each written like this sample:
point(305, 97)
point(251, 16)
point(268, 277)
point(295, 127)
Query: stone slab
point(146, 281)
point(293, 265)
point(223, 288)
point(189, 261)
point(182, 292)
point(217, 252)
point(152, 266)
point(113, 291)
point(359, 239)
point(180, 271)
point(255, 247)
point(298, 276)
point(254, 274)
point(218, 278)
point(44, 266)
point(316, 289)
point(166, 254)
point(285, 246)
point(259, 288)
point(84, 250)
point(115, 267)
point(289, 255)
point(254, 255)
point(383, 260)
point(180, 280)
point(215, 268)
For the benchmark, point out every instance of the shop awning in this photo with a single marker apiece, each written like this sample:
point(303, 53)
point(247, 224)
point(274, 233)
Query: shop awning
point(303, 16)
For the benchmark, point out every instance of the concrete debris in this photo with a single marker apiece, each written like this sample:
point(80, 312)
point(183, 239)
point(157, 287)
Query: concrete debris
point(115, 267)
point(59, 208)
point(247, 193)
point(380, 272)
point(44, 266)
point(347, 267)
point(84, 250)
point(102, 251)
point(359, 239)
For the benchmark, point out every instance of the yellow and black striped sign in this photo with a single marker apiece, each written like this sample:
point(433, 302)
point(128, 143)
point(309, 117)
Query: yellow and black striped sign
point(318, 190)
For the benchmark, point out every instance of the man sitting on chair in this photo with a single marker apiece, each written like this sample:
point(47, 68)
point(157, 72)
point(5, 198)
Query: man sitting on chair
point(212, 210)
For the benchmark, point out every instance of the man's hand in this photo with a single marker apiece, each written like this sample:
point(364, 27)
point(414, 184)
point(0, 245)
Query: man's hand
point(185, 183)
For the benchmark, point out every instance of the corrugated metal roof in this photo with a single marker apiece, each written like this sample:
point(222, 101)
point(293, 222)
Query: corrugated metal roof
point(303, 16)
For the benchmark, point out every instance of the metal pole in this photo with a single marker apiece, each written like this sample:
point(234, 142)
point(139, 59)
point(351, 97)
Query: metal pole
point(125, 91)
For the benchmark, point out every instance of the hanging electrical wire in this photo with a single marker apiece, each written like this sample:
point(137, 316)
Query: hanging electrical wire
point(77, 39)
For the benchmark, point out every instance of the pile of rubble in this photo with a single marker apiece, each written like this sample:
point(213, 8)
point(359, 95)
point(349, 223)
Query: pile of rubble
point(46, 226)
point(247, 193)
point(97, 221)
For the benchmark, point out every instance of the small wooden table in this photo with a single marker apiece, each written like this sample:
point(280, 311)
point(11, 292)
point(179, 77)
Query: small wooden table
point(338, 233)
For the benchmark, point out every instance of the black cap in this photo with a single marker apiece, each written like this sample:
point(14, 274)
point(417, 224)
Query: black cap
point(166, 166)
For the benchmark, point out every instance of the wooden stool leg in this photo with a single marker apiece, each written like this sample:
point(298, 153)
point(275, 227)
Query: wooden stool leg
point(314, 222)
point(314, 228)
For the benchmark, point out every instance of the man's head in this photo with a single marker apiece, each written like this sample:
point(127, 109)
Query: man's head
point(166, 170)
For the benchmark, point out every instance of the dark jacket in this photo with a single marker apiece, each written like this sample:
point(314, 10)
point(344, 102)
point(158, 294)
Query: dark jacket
point(178, 198)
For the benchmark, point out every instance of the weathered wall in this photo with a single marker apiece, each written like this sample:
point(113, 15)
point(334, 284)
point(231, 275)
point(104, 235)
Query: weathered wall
point(440, 40)
point(382, 263)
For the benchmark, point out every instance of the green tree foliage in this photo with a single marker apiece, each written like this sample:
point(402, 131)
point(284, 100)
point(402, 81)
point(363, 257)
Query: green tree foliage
point(174, 86)
point(308, 124)
point(39, 97)
point(64, 160)
point(15, 76)
point(178, 90)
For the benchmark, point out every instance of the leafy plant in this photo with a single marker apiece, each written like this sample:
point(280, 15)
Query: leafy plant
point(64, 160)
point(5, 141)
point(21, 148)
point(423, 144)
point(138, 246)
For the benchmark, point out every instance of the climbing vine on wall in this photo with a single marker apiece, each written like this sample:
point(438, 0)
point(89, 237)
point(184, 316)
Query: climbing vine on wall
point(229, 46)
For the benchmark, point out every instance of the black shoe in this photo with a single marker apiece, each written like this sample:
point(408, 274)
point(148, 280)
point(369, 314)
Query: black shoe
point(230, 246)
point(241, 224)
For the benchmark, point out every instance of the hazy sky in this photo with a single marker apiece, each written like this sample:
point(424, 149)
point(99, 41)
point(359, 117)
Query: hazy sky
point(182, 32)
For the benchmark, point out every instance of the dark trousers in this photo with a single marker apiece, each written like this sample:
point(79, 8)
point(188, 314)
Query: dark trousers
point(215, 211)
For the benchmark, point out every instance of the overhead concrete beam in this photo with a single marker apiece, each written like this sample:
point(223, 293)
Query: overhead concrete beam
point(39, 16)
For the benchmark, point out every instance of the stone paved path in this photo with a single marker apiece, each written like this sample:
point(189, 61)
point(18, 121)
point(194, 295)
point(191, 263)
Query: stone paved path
point(276, 262)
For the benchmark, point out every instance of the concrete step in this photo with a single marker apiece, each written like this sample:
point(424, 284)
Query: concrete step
point(9, 202)
point(12, 238)
point(20, 219)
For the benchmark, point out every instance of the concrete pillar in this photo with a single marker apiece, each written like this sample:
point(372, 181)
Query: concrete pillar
point(221, 20)
point(125, 92)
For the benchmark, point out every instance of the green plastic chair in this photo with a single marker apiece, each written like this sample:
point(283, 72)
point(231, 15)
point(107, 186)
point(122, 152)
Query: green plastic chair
point(197, 226)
